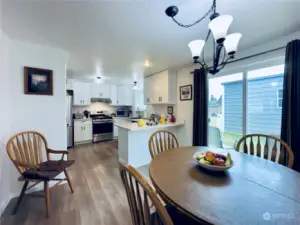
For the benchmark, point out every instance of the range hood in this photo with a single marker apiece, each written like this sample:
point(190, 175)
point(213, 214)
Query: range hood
point(104, 100)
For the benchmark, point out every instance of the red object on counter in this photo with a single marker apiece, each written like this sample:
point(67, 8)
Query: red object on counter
point(172, 120)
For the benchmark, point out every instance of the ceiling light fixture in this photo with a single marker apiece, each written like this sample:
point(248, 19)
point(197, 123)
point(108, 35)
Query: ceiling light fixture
point(224, 46)
point(134, 85)
point(147, 63)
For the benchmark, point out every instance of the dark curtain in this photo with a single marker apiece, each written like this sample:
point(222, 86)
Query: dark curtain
point(200, 126)
point(290, 127)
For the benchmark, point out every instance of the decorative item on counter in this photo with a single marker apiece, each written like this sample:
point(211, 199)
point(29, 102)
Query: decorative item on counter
point(170, 110)
point(162, 119)
point(86, 113)
point(173, 119)
point(141, 123)
point(113, 115)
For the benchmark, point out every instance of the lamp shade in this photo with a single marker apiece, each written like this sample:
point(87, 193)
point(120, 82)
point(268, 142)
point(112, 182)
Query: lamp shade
point(231, 43)
point(219, 27)
point(196, 47)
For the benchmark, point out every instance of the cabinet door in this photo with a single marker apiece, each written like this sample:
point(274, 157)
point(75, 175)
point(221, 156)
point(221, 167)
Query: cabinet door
point(87, 132)
point(114, 94)
point(82, 93)
point(78, 132)
point(69, 85)
point(138, 100)
point(116, 131)
point(161, 87)
point(147, 85)
point(125, 96)
point(100, 91)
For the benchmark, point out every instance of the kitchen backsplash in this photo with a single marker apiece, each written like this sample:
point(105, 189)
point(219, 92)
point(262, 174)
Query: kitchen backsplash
point(97, 106)
point(160, 109)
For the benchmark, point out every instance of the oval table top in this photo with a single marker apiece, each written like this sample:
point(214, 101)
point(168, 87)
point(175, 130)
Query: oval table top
point(253, 191)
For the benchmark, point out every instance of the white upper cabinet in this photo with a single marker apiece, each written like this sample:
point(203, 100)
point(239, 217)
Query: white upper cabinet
point(114, 94)
point(138, 100)
point(100, 91)
point(125, 95)
point(69, 84)
point(82, 93)
point(121, 95)
point(160, 88)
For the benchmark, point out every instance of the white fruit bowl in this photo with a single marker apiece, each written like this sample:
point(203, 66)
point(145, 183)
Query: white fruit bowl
point(212, 167)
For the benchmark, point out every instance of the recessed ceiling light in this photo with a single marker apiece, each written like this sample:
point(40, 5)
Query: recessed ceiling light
point(99, 78)
point(147, 63)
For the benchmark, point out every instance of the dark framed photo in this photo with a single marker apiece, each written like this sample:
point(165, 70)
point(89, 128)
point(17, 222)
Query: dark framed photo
point(170, 110)
point(186, 92)
point(38, 81)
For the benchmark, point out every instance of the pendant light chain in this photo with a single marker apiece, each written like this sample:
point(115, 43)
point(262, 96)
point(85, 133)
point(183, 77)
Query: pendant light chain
point(210, 11)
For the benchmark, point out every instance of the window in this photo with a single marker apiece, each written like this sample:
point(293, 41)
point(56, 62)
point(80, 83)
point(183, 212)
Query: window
point(245, 103)
point(279, 97)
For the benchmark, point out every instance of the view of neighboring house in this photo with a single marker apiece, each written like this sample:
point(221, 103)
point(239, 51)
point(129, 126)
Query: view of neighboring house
point(264, 102)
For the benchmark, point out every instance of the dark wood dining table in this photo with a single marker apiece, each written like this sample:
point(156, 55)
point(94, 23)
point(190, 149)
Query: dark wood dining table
point(253, 191)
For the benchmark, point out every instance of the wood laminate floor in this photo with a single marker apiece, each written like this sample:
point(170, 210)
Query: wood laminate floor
point(99, 197)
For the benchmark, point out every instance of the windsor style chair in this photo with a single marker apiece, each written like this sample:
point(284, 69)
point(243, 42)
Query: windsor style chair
point(267, 147)
point(145, 206)
point(162, 140)
point(30, 154)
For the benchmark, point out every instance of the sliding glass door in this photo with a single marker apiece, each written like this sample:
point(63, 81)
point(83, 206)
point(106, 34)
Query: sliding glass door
point(225, 110)
point(245, 103)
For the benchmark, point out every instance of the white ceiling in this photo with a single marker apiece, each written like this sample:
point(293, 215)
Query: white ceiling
point(118, 35)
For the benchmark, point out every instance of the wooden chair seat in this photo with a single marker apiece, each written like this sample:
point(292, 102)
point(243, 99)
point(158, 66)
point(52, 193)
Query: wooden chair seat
point(47, 170)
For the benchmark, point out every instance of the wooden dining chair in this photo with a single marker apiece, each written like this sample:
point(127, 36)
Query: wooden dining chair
point(162, 140)
point(267, 147)
point(145, 206)
point(30, 154)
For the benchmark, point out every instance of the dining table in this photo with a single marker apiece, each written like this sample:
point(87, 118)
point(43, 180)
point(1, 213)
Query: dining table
point(253, 191)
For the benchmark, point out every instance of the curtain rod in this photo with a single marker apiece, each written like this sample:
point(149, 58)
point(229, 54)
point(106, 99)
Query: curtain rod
point(254, 55)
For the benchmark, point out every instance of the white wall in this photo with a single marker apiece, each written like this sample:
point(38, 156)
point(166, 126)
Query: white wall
point(6, 167)
point(20, 112)
point(185, 108)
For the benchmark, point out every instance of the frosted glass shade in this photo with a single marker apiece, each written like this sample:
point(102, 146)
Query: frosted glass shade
point(219, 27)
point(231, 43)
point(196, 47)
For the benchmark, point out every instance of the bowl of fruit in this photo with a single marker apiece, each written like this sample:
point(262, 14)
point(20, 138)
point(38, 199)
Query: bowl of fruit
point(214, 161)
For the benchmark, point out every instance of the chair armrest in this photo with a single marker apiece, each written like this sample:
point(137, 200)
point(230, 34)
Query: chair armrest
point(57, 151)
point(63, 152)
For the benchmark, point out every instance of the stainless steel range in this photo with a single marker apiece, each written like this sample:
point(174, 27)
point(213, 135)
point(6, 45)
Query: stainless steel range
point(103, 127)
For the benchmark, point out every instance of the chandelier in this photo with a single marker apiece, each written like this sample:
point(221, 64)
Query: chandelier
point(224, 46)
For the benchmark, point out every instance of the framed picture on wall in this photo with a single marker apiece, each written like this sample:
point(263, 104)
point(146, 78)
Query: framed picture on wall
point(170, 110)
point(38, 81)
point(186, 92)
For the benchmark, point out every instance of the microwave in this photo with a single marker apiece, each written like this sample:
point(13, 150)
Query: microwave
point(122, 113)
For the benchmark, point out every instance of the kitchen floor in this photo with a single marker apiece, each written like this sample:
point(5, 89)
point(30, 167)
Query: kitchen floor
point(99, 197)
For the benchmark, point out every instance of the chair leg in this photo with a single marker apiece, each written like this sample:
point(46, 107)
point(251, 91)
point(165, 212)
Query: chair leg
point(69, 180)
point(21, 197)
point(47, 196)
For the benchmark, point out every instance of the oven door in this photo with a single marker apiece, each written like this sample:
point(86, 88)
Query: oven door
point(103, 131)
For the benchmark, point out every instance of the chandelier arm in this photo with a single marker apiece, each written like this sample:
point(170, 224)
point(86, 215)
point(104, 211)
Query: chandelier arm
point(217, 58)
point(225, 63)
point(211, 10)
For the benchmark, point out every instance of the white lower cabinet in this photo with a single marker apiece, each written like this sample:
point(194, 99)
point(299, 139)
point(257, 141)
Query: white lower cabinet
point(83, 131)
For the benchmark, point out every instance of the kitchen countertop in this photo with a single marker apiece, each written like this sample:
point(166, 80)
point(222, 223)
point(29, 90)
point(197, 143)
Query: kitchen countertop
point(85, 119)
point(135, 127)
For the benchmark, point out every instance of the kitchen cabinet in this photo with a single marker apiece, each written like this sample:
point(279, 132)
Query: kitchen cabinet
point(82, 93)
point(121, 95)
point(83, 131)
point(125, 95)
point(114, 94)
point(160, 88)
point(100, 90)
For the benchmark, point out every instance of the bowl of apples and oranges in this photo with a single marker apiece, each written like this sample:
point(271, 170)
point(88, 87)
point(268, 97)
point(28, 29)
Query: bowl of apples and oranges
point(214, 161)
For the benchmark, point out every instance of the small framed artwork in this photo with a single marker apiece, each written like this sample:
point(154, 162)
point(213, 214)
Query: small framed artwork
point(170, 110)
point(186, 92)
point(38, 81)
